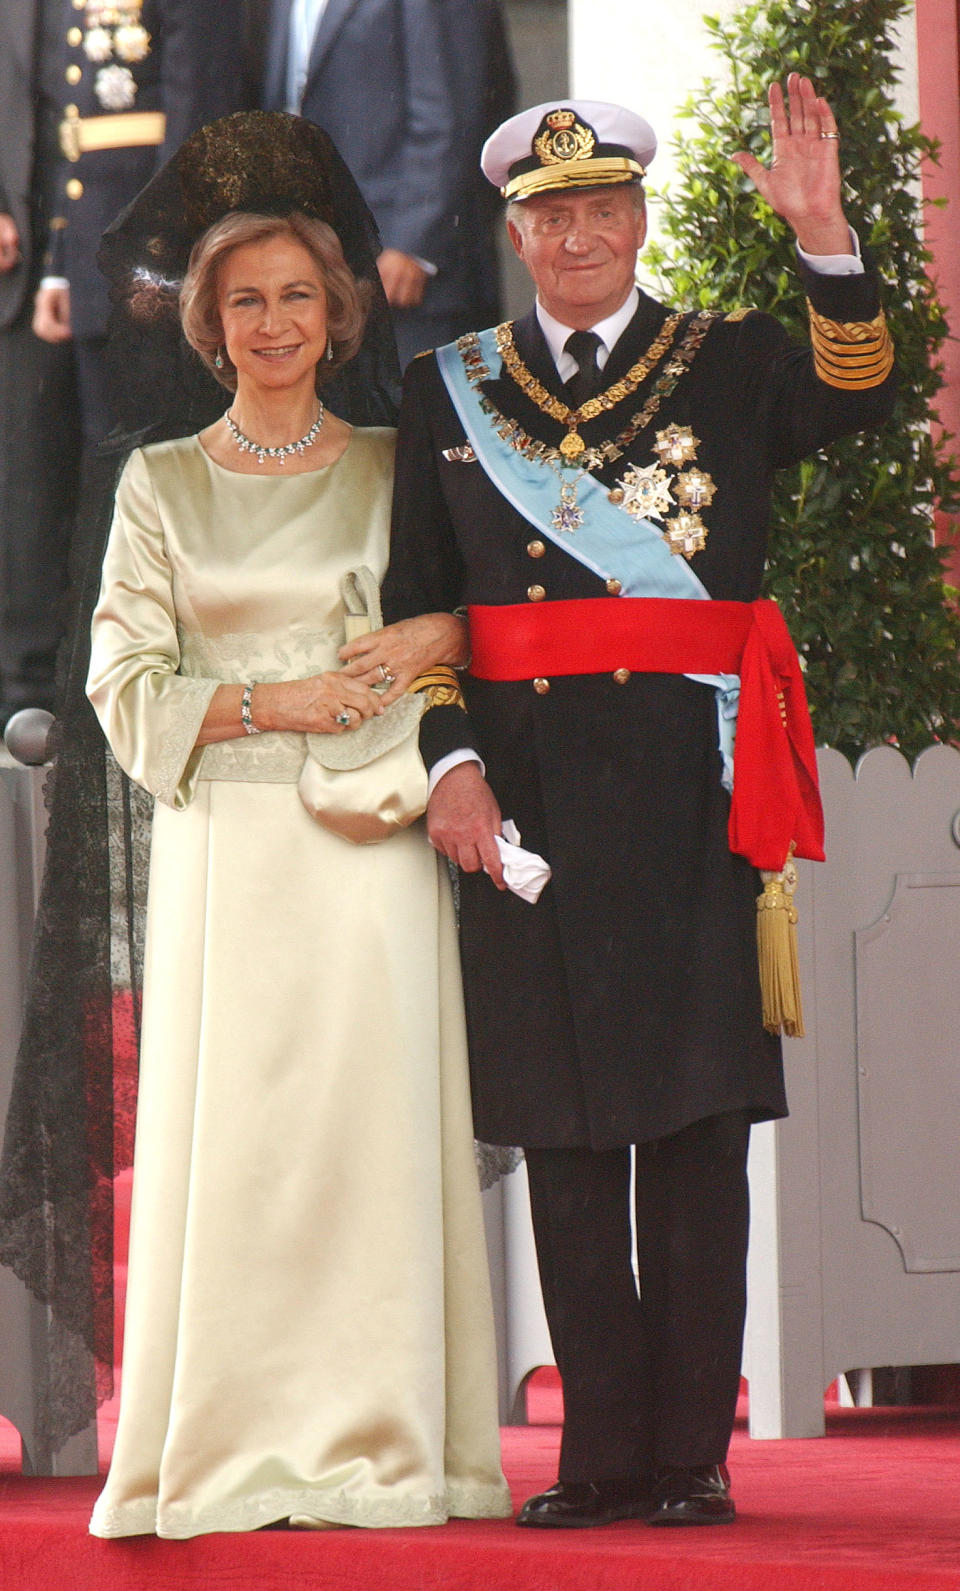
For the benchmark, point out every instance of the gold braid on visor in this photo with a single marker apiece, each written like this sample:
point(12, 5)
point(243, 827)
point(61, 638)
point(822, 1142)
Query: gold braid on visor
point(573, 174)
point(851, 354)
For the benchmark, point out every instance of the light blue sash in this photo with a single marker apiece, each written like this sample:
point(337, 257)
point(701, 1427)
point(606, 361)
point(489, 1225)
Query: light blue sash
point(611, 543)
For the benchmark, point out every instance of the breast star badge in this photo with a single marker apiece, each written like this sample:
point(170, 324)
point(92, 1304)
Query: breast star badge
point(685, 534)
point(676, 445)
point(646, 492)
point(695, 489)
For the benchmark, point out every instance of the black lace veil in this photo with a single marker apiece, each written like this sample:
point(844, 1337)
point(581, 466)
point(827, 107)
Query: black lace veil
point(70, 1123)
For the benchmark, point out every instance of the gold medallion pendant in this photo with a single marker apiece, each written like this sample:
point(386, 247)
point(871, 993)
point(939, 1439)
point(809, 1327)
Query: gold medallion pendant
point(572, 445)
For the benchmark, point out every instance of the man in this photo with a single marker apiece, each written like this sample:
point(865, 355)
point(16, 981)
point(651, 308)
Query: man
point(98, 98)
point(39, 433)
point(139, 78)
point(407, 90)
point(586, 496)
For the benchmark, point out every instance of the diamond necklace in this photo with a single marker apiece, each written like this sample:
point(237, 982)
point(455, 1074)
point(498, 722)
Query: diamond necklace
point(282, 453)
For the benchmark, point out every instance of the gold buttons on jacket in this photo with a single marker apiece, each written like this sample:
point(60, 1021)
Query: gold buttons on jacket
point(74, 72)
point(614, 587)
point(536, 593)
point(75, 37)
point(74, 188)
point(616, 496)
point(541, 686)
point(621, 675)
point(536, 549)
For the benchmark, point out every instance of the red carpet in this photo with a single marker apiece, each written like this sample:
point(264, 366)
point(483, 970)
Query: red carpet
point(873, 1507)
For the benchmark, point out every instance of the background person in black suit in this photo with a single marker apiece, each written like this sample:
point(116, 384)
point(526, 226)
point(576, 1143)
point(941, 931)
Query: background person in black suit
point(39, 430)
point(94, 100)
point(407, 90)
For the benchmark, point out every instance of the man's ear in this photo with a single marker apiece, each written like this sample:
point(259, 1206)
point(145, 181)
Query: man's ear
point(641, 225)
point(515, 234)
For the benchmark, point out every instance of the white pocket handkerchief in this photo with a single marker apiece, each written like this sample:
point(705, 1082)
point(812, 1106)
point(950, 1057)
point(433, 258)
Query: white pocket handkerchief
point(523, 871)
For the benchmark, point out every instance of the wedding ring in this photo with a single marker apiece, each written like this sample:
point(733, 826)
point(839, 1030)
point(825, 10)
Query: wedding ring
point(384, 673)
point(343, 717)
point(835, 136)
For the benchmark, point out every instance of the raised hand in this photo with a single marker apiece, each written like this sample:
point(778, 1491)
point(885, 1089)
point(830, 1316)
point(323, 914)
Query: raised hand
point(802, 182)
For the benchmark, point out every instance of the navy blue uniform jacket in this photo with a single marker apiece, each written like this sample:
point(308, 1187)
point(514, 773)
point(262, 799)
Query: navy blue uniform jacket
point(625, 1004)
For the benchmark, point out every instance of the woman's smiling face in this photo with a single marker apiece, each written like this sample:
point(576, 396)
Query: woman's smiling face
point(273, 309)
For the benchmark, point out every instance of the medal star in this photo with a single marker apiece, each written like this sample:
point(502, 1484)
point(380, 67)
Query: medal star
point(676, 445)
point(567, 516)
point(646, 492)
point(131, 42)
point(695, 489)
point(686, 534)
point(115, 87)
point(97, 45)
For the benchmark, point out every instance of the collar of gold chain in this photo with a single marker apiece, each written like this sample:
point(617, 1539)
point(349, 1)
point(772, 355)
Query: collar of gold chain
point(572, 452)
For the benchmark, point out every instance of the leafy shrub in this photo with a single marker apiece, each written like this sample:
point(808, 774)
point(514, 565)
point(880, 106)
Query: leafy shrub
point(852, 559)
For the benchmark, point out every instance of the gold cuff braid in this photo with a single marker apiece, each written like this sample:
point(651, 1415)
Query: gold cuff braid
point(441, 686)
point(850, 354)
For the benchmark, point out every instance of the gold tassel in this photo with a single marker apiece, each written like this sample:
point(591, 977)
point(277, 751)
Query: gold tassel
point(777, 950)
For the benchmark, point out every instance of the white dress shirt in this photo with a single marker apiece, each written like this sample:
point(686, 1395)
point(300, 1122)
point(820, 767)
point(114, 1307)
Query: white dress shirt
point(304, 20)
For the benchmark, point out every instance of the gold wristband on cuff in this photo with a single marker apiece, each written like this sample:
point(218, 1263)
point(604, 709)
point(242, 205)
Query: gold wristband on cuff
point(850, 354)
point(441, 687)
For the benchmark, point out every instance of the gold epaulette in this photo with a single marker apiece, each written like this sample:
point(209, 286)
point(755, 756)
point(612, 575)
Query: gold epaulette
point(441, 686)
point(741, 313)
point(850, 354)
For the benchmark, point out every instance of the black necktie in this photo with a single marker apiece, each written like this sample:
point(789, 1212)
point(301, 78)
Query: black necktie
point(585, 384)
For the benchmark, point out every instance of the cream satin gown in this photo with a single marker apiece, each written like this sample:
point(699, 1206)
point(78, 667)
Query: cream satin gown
point(308, 1327)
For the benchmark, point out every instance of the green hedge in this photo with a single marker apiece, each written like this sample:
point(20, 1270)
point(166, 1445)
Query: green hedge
point(852, 561)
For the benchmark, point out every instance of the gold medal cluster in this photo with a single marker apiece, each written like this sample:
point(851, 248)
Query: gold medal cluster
point(647, 493)
point(115, 34)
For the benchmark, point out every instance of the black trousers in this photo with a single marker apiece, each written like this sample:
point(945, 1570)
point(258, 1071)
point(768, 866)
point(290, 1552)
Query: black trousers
point(650, 1378)
point(52, 405)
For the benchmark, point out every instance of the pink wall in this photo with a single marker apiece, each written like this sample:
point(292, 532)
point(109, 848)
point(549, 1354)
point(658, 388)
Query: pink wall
point(938, 35)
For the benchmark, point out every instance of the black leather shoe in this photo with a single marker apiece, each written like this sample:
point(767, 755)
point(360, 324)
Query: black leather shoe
point(699, 1496)
point(576, 1505)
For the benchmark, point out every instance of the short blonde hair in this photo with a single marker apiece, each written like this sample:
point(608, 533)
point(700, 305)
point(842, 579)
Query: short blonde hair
point(347, 299)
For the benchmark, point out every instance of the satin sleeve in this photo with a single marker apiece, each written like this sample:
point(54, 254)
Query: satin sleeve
point(150, 714)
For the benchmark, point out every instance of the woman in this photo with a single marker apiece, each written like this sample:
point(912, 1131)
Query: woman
point(308, 1324)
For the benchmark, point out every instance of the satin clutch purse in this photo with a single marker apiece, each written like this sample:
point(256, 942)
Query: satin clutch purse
point(369, 782)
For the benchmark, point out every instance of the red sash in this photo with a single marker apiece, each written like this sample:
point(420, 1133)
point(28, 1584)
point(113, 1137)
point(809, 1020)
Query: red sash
point(776, 798)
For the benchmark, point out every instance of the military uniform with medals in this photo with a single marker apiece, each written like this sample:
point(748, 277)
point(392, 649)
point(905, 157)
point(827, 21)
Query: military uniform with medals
point(624, 1007)
point(139, 77)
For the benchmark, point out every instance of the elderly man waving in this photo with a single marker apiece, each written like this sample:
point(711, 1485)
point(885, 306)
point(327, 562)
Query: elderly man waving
point(593, 484)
